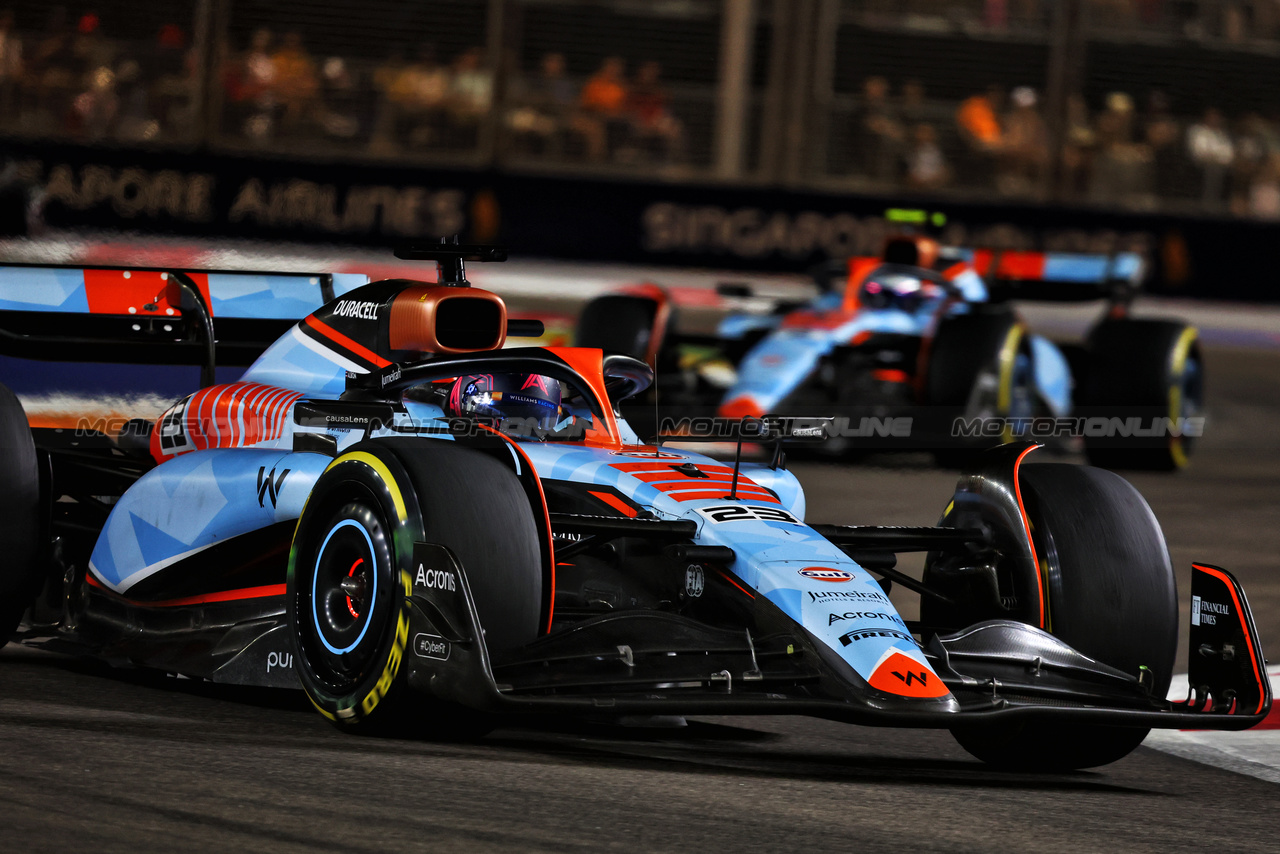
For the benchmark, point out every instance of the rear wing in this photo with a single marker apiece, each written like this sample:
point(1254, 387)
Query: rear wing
point(1053, 276)
point(154, 315)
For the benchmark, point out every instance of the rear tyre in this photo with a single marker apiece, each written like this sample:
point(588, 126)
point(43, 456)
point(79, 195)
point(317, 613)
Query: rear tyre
point(1110, 593)
point(351, 581)
point(1148, 369)
point(20, 523)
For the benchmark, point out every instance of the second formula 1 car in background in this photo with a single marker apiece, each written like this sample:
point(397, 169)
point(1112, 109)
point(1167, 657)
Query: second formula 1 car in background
point(922, 347)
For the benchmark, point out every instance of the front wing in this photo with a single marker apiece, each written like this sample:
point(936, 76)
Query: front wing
point(648, 662)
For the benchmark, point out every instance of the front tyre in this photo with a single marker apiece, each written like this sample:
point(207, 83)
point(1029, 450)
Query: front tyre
point(1110, 593)
point(350, 589)
point(20, 510)
point(351, 575)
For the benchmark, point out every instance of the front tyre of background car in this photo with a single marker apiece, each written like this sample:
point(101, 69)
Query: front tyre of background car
point(980, 367)
point(20, 523)
point(351, 582)
point(1110, 593)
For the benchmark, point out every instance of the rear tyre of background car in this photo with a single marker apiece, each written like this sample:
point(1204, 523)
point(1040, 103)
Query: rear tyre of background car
point(1110, 594)
point(620, 323)
point(20, 524)
point(351, 581)
point(979, 366)
point(1144, 370)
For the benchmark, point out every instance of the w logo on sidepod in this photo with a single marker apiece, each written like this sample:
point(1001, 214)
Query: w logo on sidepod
point(269, 485)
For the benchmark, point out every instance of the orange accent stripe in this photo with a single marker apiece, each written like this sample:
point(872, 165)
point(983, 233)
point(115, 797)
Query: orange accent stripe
point(1253, 656)
point(723, 493)
point(726, 577)
point(660, 465)
point(343, 341)
point(204, 598)
point(615, 502)
point(1026, 526)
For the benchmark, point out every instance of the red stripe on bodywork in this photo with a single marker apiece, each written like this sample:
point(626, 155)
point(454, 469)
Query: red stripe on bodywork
point(615, 502)
point(203, 599)
point(346, 343)
point(729, 579)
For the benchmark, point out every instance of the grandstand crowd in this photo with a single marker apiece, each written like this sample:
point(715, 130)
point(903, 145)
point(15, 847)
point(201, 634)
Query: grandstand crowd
point(80, 77)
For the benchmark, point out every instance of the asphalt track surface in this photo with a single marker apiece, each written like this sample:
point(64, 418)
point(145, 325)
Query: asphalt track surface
point(105, 760)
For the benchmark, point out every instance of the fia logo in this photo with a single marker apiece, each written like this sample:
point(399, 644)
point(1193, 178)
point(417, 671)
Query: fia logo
point(695, 581)
point(269, 485)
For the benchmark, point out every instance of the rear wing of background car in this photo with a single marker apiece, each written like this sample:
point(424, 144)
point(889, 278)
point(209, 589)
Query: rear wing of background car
point(154, 315)
point(1052, 276)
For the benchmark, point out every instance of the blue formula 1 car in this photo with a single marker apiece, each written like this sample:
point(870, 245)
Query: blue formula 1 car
point(423, 530)
point(921, 348)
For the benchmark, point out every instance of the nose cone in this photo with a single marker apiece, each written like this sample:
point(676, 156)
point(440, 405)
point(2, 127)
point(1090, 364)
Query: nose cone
point(905, 676)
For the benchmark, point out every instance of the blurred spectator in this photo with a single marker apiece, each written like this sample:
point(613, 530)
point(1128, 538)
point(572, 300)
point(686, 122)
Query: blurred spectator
point(250, 86)
point(1211, 151)
point(10, 67)
point(878, 135)
point(470, 97)
point(94, 110)
point(603, 98)
point(416, 99)
point(1122, 168)
point(296, 80)
point(545, 108)
point(1264, 193)
point(1025, 149)
point(1079, 142)
point(171, 75)
point(135, 121)
point(978, 120)
point(927, 168)
point(915, 109)
point(1164, 139)
point(655, 130)
point(1251, 154)
point(340, 103)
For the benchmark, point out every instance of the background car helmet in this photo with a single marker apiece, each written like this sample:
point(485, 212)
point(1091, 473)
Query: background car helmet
point(507, 396)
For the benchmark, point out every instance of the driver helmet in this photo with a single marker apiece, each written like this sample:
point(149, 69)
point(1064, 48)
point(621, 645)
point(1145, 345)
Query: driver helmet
point(507, 396)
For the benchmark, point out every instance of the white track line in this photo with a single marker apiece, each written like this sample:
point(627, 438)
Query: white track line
point(1255, 752)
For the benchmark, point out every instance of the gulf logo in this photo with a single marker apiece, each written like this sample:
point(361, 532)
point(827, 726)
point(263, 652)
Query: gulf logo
point(826, 573)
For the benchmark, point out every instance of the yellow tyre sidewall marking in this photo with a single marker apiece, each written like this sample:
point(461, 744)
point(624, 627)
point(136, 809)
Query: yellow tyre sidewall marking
point(1177, 367)
point(1004, 392)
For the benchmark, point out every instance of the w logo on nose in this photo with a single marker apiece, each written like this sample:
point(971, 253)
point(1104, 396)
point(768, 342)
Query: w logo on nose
point(922, 677)
point(901, 674)
point(269, 485)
